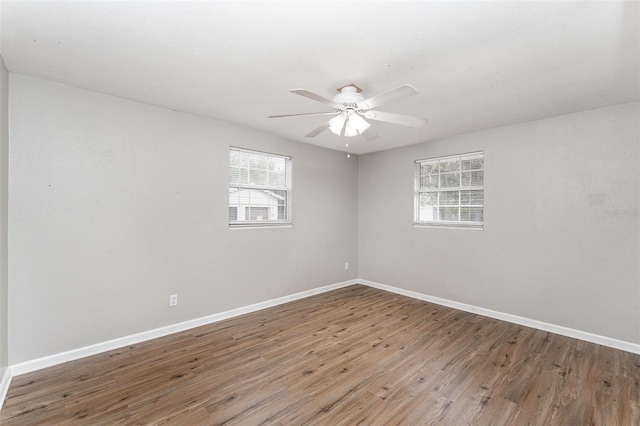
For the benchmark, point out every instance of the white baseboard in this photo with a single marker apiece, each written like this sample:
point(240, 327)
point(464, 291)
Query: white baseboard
point(4, 385)
point(60, 358)
point(540, 325)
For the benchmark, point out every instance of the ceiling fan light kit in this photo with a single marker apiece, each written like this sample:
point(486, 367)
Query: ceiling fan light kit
point(350, 108)
point(356, 125)
point(348, 124)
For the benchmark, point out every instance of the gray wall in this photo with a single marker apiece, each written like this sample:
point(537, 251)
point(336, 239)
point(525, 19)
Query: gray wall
point(4, 213)
point(115, 205)
point(562, 233)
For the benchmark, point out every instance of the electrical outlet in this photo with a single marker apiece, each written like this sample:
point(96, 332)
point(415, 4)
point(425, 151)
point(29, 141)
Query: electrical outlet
point(346, 266)
point(173, 300)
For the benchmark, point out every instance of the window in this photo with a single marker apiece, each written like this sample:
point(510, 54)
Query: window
point(259, 188)
point(450, 191)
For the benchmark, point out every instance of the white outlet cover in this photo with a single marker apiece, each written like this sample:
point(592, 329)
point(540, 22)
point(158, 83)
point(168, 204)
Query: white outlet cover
point(173, 300)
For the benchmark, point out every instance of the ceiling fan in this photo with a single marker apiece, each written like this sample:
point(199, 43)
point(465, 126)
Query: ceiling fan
point(350, 109)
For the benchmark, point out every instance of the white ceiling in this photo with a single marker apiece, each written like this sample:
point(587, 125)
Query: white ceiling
point(477, 65)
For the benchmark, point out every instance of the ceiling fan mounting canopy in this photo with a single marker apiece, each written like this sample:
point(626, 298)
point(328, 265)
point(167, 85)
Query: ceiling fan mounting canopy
point(339, 89)
point(350, 106)
point(349, 97)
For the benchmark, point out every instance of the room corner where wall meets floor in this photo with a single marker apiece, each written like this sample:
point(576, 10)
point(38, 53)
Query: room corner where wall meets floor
point(116, 205)
point(79, 353)
point(560, 243)
point(552, 349)
point(353, 355)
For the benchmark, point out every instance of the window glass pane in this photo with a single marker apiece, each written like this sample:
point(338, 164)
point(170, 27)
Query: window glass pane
point(473, 178)
point(471, 214)
point(233, 196)
point(449, 213)
point(258, 177)
point(282, 212)
point(277, 180)
point(258, 213)
point(428, 198)
point(279, 196)
point(277, 172)
point(472, 163)
point(233, 213)
point(260, 197)
point(244, 196)
point(464, 214)
point(449, 165)
point(449, 198)
point(428, 206)
point(282, 204)
point(238, 176)
point(476, 214)
point(450, 180)
point(277, 165)
point(429, 168)
point(258, 161)
point(238, 159)
point(429, 181)
point(471, 198)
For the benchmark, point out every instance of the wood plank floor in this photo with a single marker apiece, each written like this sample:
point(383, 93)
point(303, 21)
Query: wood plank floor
point(353, 356)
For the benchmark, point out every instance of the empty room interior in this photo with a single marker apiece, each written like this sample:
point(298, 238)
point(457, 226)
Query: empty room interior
point(322, 213)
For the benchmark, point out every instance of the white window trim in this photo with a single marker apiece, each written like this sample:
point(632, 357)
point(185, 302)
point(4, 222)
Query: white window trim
point(288, 223)
point(261, 226)
point(478, 226)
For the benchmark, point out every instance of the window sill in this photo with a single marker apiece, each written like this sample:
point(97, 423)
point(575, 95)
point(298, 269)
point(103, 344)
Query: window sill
point(261, 226)
point(433, 226)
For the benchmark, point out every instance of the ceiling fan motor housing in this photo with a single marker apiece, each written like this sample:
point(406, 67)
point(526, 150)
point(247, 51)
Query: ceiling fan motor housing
point(349, 97)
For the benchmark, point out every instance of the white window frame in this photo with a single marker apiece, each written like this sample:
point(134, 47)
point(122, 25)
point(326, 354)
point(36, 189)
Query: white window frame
point(287, 187)
point(447, 223)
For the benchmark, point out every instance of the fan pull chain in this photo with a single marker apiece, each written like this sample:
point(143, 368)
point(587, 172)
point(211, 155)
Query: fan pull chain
point(348, 153)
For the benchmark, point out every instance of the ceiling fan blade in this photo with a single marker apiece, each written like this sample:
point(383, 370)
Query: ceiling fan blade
point(303, 114)
point(318, 130)
point(370, 135)
point(311, 95)
point(389, 117)
point(391, 95)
